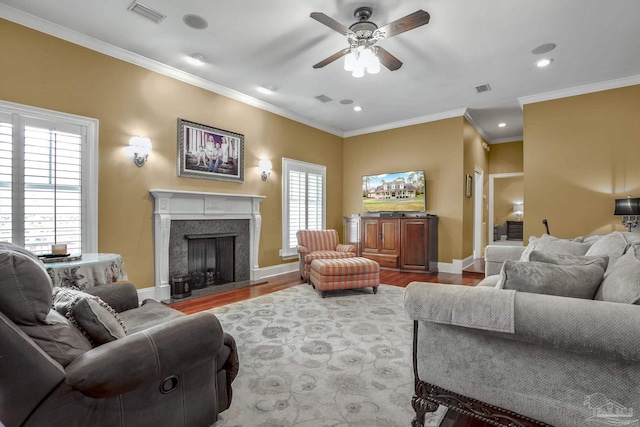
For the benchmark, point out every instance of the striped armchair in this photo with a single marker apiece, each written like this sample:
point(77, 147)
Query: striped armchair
point(320, 244)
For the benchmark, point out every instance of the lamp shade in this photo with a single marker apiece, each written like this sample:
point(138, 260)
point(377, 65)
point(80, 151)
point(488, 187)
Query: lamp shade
point(518, 208)
point(627, 206)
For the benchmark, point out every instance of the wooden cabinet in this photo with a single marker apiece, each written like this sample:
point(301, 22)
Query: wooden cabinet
point(401, 243)
point(514, 230)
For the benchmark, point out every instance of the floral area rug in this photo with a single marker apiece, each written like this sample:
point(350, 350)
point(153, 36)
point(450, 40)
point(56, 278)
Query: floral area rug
point(307, 361)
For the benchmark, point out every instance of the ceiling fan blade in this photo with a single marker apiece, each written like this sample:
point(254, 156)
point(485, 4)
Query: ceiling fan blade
point(388, 60)
point(409, 22)
point(332, 58)
point(331, 23)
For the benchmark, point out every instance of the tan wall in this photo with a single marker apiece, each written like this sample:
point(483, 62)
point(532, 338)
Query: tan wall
point(506, 158)
point(507, 192)
point(475, 156)
point(580, 153)
point(129, 100)
point(434, 147)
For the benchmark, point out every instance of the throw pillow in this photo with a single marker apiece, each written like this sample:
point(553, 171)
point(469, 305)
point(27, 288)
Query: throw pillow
point(622, 281)
point(560, 259)
point(95, 318)
point(533, 241)
point(554, 245)
point(612, 245)
point(576, 281)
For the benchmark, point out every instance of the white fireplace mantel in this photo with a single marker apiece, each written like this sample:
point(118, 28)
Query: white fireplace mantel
point(192, 205)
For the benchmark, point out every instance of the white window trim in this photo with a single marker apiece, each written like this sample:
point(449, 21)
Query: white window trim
point(89, 163)
point(287, 165)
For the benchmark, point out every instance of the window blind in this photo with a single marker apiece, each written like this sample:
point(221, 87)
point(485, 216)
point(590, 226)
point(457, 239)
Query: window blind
point(41, 182)
point(304, 204)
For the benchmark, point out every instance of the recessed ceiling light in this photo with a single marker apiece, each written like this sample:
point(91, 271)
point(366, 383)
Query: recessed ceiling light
point(541, 63)
point(357, 108)
point(196, 59)
point(267, 89)
point(501, 125)
point(196, 22)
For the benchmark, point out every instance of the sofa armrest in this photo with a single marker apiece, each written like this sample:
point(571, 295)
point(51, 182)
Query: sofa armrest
point(569, 324)
point(496, 255)
point(302, 251)
point(346, 248)
point(125, 364)
point(122, 296)
point(585, 326)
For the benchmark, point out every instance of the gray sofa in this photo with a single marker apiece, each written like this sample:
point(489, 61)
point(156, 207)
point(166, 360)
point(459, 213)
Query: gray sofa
point(108, 362)
point(551, 340)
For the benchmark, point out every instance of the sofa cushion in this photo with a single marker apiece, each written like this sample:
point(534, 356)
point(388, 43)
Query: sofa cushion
point(25, 286)
point(576, 281)
point(61, 340)
point(560, 259)
point(622, 281)
point(612, 245)
point(327, 255)
point(555, 245)
point(94, 317)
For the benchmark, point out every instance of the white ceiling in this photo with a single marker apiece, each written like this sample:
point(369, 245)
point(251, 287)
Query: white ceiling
point(249, 43)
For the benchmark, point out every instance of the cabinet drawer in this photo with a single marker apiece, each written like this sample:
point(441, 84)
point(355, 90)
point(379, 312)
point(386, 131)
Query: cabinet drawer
point(388, 261)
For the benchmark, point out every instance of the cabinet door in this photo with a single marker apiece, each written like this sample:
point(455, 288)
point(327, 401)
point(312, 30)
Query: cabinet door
point(370, 232)
point(415, 244)
point(389, 236)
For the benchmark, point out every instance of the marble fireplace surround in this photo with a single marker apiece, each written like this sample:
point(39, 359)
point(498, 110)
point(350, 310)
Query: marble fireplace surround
point(178, 205)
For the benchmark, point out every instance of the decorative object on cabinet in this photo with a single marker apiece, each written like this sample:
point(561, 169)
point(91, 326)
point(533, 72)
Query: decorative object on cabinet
point(209, 153)
point(629, 209)
point(351, 231)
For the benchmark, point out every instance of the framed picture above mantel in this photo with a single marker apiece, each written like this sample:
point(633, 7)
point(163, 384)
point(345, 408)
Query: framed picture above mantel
point(209, 153)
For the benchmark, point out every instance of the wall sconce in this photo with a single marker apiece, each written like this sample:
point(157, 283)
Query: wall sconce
point(629, 209)
point(265, 168)
point(518, 210)
point(139, 148)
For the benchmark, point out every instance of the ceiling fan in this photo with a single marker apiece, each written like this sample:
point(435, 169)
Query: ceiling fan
point(363, 35)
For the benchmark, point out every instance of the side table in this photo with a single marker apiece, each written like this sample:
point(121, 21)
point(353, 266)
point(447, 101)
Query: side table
point(92, 270)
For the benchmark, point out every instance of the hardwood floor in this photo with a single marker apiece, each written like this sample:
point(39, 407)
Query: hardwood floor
point(283, 281)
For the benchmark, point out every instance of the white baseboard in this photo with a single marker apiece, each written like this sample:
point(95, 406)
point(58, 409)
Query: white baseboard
point(146, 293)
point(455, 266)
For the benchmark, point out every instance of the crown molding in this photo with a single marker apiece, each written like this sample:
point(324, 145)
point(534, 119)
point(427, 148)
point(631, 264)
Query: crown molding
point(66, 34)
point(579, 90)
point(476, 126)
point(518, 138)
point(409, 122)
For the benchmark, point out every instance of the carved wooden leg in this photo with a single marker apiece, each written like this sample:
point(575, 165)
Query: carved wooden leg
point(421, 405)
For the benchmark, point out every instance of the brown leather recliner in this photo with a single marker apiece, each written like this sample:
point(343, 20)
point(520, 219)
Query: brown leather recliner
point(170, 369)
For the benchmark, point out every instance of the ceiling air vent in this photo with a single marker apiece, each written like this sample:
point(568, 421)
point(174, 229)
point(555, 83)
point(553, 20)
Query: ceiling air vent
point(146, 12)
point(483, 88)
point(323, 98)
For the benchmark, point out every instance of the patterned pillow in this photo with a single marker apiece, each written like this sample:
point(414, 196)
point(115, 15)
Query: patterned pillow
point(95, 318)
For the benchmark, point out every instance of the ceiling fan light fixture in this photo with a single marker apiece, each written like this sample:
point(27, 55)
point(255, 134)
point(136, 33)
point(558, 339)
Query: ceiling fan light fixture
point(350, 61)
point(358, 72)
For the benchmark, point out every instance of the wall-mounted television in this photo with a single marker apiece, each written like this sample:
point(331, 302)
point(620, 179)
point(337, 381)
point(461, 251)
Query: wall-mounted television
point(394, 192)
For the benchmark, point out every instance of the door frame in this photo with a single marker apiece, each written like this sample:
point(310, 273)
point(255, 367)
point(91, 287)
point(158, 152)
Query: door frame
point(478, 212)
point(492, 178)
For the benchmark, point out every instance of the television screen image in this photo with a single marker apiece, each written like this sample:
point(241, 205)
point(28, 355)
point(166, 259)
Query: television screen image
point(394, 192)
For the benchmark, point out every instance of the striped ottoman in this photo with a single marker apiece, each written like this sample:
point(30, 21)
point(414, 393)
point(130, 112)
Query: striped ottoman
point(344, 273)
